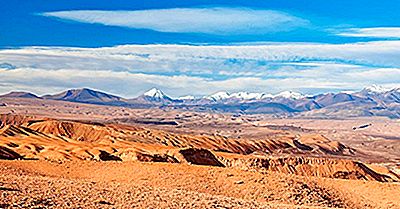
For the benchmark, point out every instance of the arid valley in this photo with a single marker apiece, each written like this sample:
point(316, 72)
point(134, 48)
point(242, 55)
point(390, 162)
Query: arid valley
point(75, 155)
point(213, 104)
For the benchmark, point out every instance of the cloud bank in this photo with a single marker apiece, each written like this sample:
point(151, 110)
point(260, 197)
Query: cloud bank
point(129, 70)
point(221, 21)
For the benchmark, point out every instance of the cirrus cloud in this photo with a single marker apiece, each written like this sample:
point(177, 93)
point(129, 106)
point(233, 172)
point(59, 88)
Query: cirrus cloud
point(377, 32)
point(221, 21)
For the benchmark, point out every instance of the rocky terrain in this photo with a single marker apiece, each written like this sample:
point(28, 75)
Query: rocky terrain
point(62, 154)
point(38, 184)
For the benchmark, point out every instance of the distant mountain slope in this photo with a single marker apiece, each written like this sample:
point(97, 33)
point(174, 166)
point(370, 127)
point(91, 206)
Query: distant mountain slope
point(331, 98)
point(153, 96)
point(20, 94)
point(243, 108)
point(85, 95)
point(370, 101)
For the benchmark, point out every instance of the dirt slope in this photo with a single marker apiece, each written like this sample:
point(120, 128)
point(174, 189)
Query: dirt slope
point(58, 140)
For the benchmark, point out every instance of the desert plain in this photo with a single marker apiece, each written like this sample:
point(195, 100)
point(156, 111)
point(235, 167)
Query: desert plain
point(58, 154)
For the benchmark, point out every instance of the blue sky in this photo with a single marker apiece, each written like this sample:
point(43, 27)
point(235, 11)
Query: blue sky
point(309, 46)
point(21, 26)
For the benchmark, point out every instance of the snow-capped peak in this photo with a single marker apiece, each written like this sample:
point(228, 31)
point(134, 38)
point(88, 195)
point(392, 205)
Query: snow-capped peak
point(375, 89)
point(218, 96)
point(265, 95)
point(155, 93)
point(249, 96)
point(188, 97)
point(290, 95)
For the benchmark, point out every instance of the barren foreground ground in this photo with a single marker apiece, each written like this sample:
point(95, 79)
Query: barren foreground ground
point(70, 155)
point(38, 184)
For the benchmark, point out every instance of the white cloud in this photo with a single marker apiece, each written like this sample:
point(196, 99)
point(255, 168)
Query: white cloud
point(221, 21)
point(206, 60)
point(388, 75)
point(180, 70)
point(43, 81)
point(378, 32)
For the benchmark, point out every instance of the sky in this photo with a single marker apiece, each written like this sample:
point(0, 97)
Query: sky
point(199, 47)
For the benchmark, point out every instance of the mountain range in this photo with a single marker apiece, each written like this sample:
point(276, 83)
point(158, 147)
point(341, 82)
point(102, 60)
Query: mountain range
point(370, 101)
